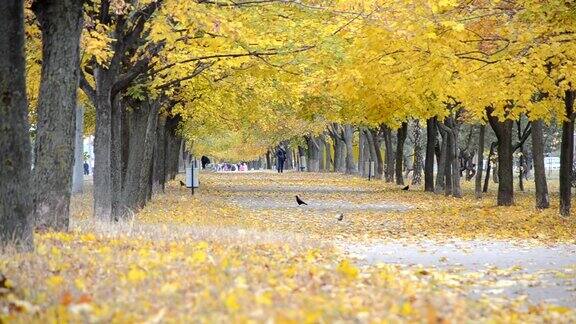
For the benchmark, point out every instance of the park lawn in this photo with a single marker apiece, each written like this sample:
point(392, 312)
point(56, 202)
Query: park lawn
point(205, 259)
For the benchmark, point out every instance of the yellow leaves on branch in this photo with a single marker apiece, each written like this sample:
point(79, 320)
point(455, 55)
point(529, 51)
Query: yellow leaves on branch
point(96, 43)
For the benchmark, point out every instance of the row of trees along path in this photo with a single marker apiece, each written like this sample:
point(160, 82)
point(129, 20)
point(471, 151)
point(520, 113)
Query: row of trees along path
point(232, 80)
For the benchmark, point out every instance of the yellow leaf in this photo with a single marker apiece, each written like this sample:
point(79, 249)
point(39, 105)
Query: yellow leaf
point(347, 269)
point(231, 303)
point(136, 274)
point(169, 288)
point(54, 281)
point(406, 309)
point(80, 284)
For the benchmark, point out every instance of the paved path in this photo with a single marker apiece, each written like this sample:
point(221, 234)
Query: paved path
point(494, 268)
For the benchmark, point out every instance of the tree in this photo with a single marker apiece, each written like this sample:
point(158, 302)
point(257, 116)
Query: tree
point(61, 26)
point(400, 139)
point(542, 199)
point(429, 160)
point(15, 198)
point(417, 172)
point(480, 162)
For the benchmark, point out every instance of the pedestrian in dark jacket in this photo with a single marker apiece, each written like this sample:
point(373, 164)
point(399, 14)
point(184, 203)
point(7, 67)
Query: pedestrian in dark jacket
point(205, 161)
point(280, 159)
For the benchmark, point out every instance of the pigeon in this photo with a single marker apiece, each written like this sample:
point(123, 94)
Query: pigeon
point(182, 184)
point(406, 188)
point(341, 217)
point(300, 201)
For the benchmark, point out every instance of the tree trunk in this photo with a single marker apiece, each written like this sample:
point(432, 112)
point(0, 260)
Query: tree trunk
point(448, 164)
point(480, 162)
point(117, 156)
point(503, 132)
point(61, 25)
point(314, 156)
point(505, 168)
point(454, 134)
point(174, 147)
point(103, 149)
point(489, 166)
point(302, 154)
point(289, 157)
point(328, 156)
point(389, 151)
point(567, 154)
point(373, 156)
point(321, 146)
point(521, 160)
point(495, 173)
point(351, 167)
point(417, 173)
point(159, 177)
point(78, 174)
point(401, 138)
point(138, 118)
point(441, 174)
point(339, 155)
point(298, 163)
point(337, 134)
point(430, 147)
point(379, 167)
point(542, 199)
point(145, 186)
point(15, 160)
point(268, 160)
point(362, 158)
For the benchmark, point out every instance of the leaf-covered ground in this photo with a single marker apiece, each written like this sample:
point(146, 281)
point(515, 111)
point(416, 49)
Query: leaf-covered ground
point(241, 250)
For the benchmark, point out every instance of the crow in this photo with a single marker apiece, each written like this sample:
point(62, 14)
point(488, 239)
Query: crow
point(406, 188)
point(300, 201)
point(341, 217)
point(182, 184)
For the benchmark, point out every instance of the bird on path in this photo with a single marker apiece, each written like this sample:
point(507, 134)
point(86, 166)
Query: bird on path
point(300, 201)
point(341, 217)
point(182, 184)
point(406, 188)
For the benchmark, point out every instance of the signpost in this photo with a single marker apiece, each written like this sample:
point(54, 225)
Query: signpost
point(192, 175)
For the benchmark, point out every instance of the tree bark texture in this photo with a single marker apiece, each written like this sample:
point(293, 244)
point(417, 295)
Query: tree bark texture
point(417, 166)
point(542, 198)
point(503, 130)
point(78, 174)
point(15, 160)
point(429, 161)
point(480, 161)
point(61, 25)
point(401, 138)
point(567, 154)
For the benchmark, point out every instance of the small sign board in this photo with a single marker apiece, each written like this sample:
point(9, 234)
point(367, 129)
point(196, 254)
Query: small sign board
point(192, 175)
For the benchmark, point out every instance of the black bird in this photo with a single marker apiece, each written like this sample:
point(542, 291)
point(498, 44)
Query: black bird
point(300, 201)
point(341, 217)
point(182, 184)
point(406, 188)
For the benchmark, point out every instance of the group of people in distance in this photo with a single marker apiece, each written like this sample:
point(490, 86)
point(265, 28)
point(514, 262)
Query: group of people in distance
point(242, 167)
point(231, 167)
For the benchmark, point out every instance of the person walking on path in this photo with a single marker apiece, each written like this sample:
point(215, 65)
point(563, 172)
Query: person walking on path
point(205, 161)
point(86, 168)
point(280, 159)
